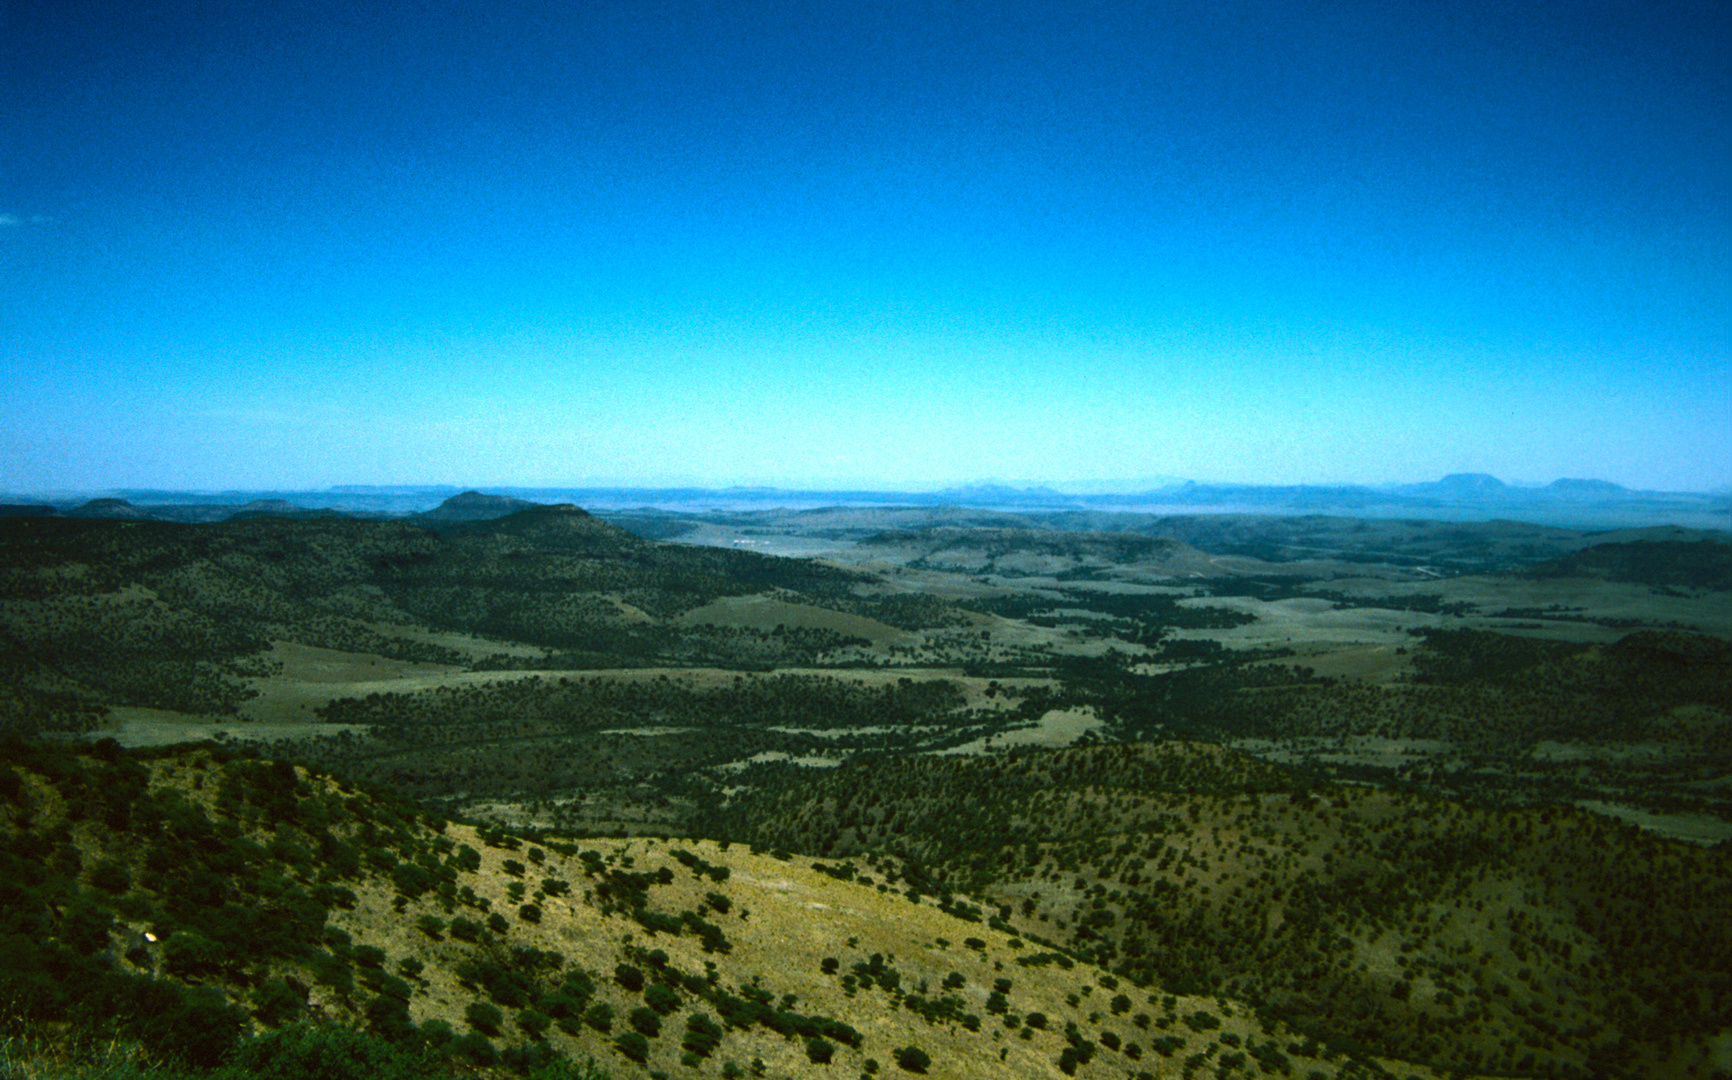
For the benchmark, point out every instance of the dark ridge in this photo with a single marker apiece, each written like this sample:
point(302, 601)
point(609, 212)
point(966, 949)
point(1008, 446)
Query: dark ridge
point(474, 506)
point(110, 508)
point(1701, 564)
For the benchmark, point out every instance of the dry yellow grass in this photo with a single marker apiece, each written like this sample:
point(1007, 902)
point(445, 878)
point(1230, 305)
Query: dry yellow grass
point(785, 919)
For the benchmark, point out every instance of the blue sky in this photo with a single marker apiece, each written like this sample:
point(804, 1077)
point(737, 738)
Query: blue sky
point(863, 243)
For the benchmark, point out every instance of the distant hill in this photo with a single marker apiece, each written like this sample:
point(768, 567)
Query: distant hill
point(1572, 502)
point(1481, 484)
point(1701, 564)
point(278, 508)
point(976, 549)
point(118, 509)
point(1584, 489)
point(474, 506)
point(177, 616)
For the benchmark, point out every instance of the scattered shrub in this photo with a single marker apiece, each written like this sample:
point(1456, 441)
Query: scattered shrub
point(661, 999)
point(534, 1024)
point(645, 1021)
point(476, 1048)
point(912, 1059)
point(633, 1046)
point(465, 929)
point(484, 1016)
point(600, 1017)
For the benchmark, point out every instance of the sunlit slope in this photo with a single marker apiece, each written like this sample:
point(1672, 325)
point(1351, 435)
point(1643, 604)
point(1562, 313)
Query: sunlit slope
point(1547, 940)
point(187, 900)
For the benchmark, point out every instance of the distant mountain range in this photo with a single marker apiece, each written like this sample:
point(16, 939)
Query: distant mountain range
point(1578, 503)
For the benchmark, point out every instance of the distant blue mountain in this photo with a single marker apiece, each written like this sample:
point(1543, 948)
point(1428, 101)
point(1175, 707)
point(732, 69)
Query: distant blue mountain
point(1575, 503)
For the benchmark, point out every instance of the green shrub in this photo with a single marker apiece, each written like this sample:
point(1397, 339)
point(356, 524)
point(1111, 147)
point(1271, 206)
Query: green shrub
point(369, 956)
point(332, 972)
point(912, 1059)
point(305, 1052)
point(436, 1033)
point(819, 1051)
point(476, 1048)
point(388, 1017)
point(703, 1035)
point(633, 1046)
point(599, 1017)
point(484, 1016)
point(465, 929)
point(534, 1024)
point(646, 1021)
point(276, 1003)
point(110, 877)
point(201, 1030)
point(84, 927)
point(192, 955)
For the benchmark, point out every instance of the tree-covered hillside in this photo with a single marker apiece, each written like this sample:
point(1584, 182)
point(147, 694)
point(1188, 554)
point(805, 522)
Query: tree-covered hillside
point(174, 616)
point(1530, 942)
point(209, 911)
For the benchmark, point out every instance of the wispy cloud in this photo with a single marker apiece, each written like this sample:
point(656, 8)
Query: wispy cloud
point(14, 220)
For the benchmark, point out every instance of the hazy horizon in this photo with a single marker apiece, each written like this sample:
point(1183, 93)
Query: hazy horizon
point(1076, 489)
point(897, 246)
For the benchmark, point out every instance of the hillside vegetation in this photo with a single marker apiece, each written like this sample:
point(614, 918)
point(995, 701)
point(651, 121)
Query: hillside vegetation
point(975, 798)
point(1528, 942)
point(195, 903)
point(171, 616)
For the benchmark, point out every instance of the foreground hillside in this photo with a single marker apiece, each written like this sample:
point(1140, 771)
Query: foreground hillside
point(1544, 941)
point(190, 902)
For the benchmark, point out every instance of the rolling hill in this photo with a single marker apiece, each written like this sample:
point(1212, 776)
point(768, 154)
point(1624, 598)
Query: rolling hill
point(210, 908)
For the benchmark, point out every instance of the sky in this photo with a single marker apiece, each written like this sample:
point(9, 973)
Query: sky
point(865, 243)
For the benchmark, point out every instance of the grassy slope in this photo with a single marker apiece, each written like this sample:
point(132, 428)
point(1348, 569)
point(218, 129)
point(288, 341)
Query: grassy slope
point(286, 894)
point(1473, 938)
